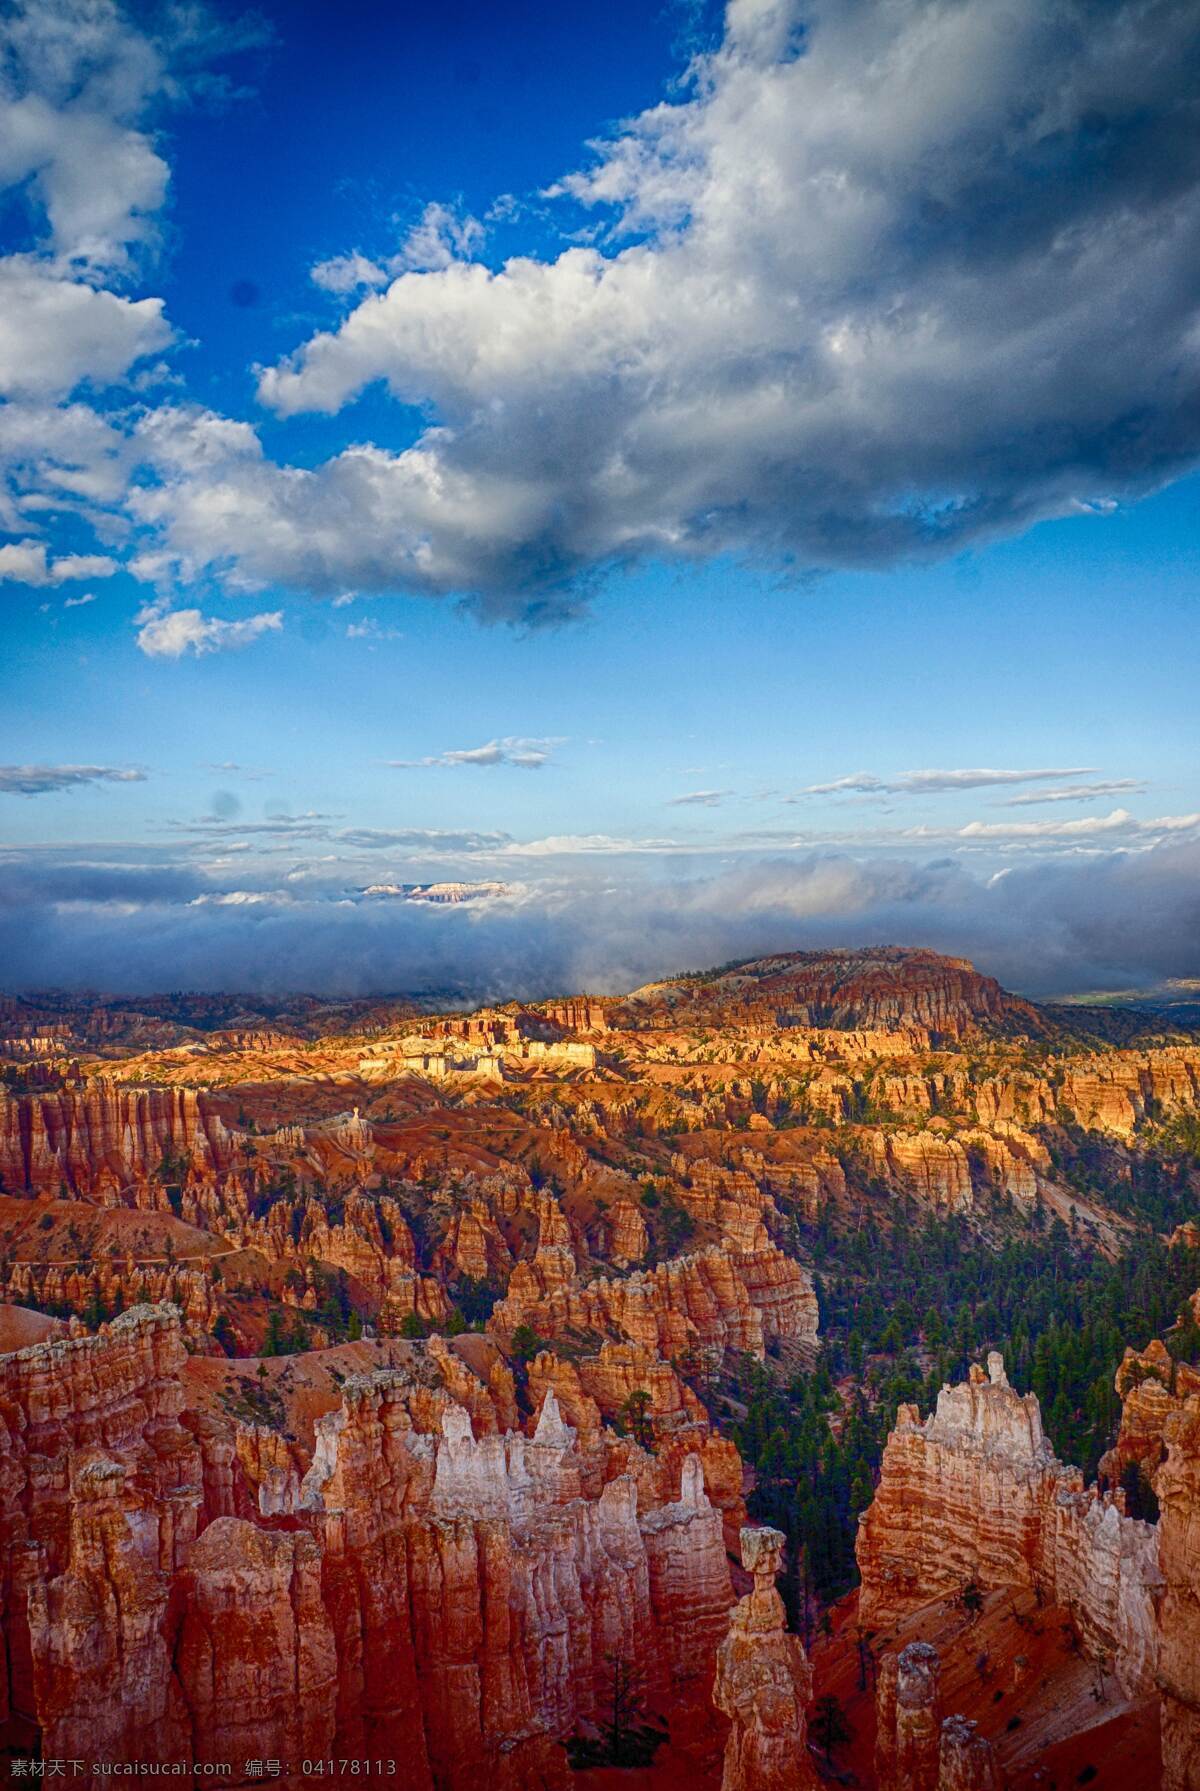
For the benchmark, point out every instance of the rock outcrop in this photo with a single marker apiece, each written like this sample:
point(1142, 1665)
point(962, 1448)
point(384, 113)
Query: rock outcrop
point(933, 1168)
point(764, 1682)
point(712, 1300)
point(975, 1496)
point(1151, 1385)
point(908, 1719)
point(1117, 1093)
point(966, 1761)
point(100, 1498)
point(101, 1137)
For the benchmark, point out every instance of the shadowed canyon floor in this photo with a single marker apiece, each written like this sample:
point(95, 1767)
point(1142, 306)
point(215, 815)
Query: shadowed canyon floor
point(606, 1391)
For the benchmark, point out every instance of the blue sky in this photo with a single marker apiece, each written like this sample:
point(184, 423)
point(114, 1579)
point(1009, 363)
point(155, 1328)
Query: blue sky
point(727, 486)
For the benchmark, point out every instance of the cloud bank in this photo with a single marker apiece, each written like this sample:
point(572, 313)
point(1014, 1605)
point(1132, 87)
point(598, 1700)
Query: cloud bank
point(1113, 920)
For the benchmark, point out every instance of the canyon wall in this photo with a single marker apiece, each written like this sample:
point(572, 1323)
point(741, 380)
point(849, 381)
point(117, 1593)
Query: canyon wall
point(171, 1587)
point(100, 1137)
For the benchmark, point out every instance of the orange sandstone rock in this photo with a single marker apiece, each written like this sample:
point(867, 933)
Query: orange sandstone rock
point(256, 1653)
point(764, 1682)
point(966, 1761)
point(908, 1719)
point(1177, 1484)
point(713, 1299)
point(101, 1137)
point(426, 1592)
point(975, 1495)
point(1152, 1386)
point(915, 1749)
point(933, 1168)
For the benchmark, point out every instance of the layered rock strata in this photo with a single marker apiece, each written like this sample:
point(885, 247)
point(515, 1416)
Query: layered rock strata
point(1151, 1385)
point(712, 1300)
point(102, 1137)
point(908, 1719)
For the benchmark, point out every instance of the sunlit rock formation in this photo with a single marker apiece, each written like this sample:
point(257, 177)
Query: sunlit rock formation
point(713, 1299)
point(975, 1496)
point(102, 1137)
point(1177, 1485)
point(1152, 1385)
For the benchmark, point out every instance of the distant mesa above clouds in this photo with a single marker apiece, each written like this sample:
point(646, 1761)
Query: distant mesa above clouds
point(444, 894)
point(1102, 915)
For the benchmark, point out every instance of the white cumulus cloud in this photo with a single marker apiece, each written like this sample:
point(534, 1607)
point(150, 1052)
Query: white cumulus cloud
point(27, 563)
point(927, 783)
point(170, 633)
point(39, 780)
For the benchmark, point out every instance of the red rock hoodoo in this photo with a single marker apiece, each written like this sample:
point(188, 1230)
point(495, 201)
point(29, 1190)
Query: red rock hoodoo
point(764, 1682)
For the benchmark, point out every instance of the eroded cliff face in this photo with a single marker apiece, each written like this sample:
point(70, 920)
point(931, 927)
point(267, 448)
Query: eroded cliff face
point(1151, 1385)
point(427, 1592)
point(975, 1496)
point(102, 1137)
point(102, 1492)
point(713, 1300)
